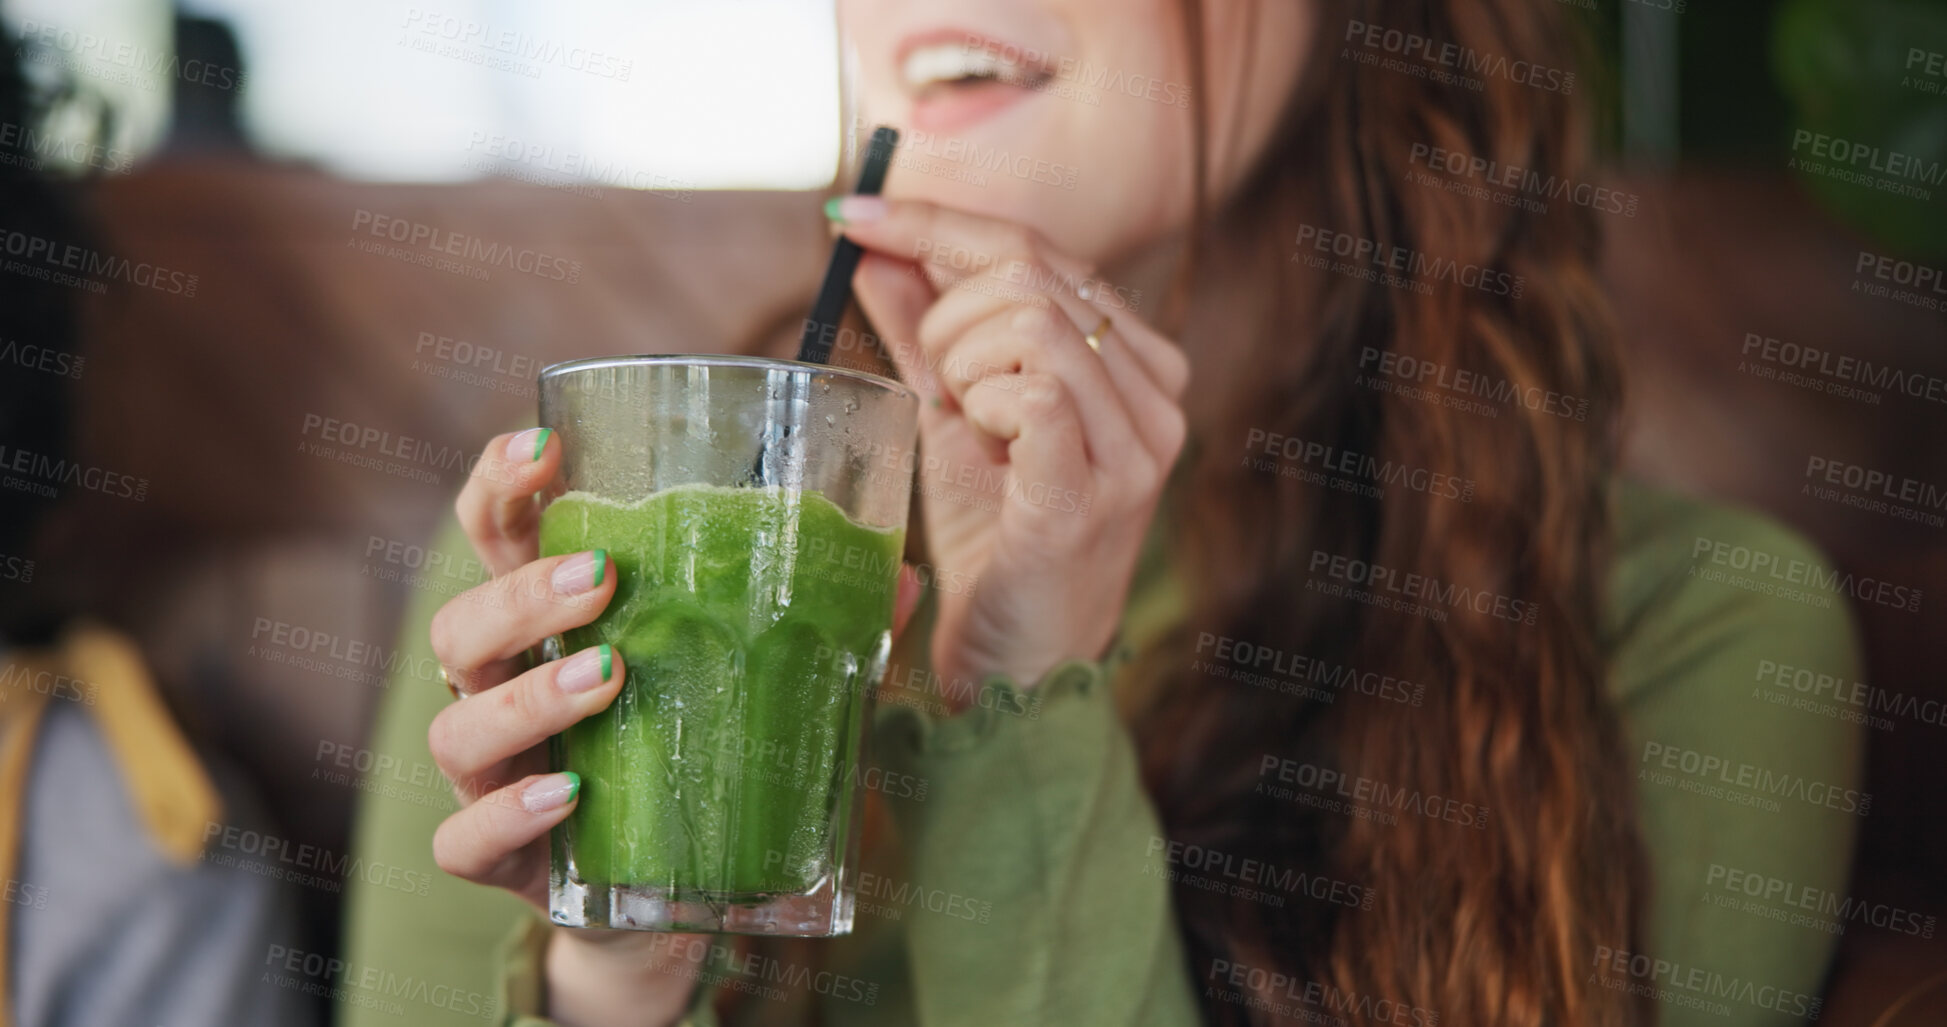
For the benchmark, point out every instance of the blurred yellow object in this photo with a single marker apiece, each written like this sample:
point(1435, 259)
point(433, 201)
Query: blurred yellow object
point(166, 784)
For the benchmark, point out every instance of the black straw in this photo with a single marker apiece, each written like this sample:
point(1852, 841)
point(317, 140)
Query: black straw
point(821, 328)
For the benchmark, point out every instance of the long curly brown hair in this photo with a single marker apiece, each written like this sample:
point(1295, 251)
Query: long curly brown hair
point(1495, 916)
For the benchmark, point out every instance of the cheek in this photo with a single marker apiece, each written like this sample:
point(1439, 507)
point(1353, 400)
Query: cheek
point(1139, 169)
point(1133, 148)
point(860, 15)
point(864, 36)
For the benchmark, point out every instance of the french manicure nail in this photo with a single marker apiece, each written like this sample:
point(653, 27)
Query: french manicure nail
point(528, 445)
point(586, 669)
point(855, 209)
point(581, 573)
point(551, 792)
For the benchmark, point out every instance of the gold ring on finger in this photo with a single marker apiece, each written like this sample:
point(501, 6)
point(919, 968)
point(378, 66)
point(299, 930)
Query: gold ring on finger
point(1094, 338)
point(447, 680)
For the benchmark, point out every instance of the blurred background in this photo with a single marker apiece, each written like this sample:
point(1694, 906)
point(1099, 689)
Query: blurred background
point(300, 394)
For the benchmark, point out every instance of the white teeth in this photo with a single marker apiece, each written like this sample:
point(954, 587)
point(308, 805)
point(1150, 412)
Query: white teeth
point(951, 62)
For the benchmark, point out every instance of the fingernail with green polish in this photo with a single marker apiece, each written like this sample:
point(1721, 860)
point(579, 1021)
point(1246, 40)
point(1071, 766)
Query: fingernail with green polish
point(608, 661)
point(517, 446)
point(601, 571)
point(551, 792)
point(831, 209)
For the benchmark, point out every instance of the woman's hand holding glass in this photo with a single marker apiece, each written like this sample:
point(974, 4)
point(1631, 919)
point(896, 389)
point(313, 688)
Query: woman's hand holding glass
point(492, 743)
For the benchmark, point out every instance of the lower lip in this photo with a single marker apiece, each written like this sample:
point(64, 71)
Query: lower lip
point(952, 109)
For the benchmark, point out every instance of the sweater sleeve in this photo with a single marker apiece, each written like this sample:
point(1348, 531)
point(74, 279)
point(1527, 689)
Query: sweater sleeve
point(1750, 790)
point(1040, 858)
point(420, 945)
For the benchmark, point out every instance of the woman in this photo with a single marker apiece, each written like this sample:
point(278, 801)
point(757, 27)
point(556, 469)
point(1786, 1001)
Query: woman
point(1389, 716)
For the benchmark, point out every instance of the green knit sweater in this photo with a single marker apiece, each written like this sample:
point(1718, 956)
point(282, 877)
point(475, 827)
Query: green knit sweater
point(1025, 880)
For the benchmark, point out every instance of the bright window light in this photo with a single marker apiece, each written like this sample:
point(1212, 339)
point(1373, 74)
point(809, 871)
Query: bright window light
point(654, 94)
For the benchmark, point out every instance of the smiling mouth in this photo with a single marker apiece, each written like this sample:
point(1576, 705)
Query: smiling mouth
point(946, 69)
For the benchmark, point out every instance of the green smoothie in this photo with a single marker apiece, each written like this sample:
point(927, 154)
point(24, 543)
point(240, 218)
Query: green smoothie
point(751, 621)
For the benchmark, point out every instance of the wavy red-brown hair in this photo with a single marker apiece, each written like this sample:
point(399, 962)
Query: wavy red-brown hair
point(1496, 924)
